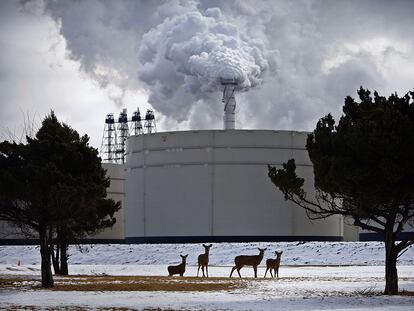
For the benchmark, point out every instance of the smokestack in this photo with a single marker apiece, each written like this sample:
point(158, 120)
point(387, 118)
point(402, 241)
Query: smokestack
point(229, 86)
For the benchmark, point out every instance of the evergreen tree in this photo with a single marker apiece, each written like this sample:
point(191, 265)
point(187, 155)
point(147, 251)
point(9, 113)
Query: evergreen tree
point(79, 201)
point(364, 169)
point(54, 187)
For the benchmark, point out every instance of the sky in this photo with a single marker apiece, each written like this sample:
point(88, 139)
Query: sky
point(294, 61)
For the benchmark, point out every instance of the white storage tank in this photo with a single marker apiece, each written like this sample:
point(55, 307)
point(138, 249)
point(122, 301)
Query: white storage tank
point(212, 185)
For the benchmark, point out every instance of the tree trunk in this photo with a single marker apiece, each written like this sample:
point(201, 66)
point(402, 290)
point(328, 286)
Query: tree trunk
point(46, 269)
point(55, 259)
point(64, 257)
point(391, 276)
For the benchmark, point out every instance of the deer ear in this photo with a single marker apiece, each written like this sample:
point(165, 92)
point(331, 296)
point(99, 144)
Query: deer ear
point(204, 245)
point(211, 245)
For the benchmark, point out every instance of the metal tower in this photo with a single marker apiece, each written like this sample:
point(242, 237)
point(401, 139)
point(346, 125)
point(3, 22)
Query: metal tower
point(229, 103)
point(109, 140)
point(136, 123)
point(113, 147)
point(123, 133)
point(150, 122)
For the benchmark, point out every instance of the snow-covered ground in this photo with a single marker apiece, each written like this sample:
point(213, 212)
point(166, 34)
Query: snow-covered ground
point(294, 253)
point(310, 277)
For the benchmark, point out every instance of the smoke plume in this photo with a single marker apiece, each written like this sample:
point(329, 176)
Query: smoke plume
point(194, 51)
point(298, 59)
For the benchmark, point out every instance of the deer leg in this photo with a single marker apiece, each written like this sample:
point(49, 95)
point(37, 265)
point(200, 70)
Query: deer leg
point(255, 271)
point(207, 270)
point(238, 271)
point(202, 269)
point(271, 272)
point(277, 270)
point(234, 268)
point(266, 272)
point(198, 270)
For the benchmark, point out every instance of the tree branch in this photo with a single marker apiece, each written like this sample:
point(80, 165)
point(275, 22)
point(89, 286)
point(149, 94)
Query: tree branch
point(368, 227)
point(406, 249)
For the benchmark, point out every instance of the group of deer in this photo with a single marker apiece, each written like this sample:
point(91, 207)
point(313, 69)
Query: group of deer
point(239, 261)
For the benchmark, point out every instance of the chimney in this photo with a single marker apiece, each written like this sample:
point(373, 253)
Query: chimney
point(229, 86)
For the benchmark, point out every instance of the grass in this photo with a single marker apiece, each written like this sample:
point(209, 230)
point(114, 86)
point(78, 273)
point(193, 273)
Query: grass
point(106, 283)
point(406, 293)
point(129, 283)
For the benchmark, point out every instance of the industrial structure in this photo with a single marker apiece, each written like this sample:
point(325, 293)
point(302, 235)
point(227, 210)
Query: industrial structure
point(113, 147)
point(205, 186)
point(229, 101)
point(212, 185)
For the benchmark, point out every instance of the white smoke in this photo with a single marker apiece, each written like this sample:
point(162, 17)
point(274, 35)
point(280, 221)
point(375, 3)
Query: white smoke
point(300, 53)
point(192, 52)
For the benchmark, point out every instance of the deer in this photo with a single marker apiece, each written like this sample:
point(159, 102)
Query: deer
point(179, 269)
point(243, 260)
point(203, 259)
point(273, 264)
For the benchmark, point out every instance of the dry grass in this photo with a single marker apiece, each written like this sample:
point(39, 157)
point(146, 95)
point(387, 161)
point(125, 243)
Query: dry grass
point(406, 293)
point(17, 282)
point(146, 283)
point(129, 283)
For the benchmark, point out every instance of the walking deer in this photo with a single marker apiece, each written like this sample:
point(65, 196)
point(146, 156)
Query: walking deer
point(243, 260)
point(203, 259)
point(273, 264)
point(179, 269)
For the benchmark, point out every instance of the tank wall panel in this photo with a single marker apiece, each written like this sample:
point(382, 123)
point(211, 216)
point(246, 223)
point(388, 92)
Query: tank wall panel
point(178, 201)
point(251, 155)
point(135, 159)
point(302, 225)
point(134, 202)
point(177, 139)
point(247, 207)
point(253, 138)
point(177, 156)
point(115, 192)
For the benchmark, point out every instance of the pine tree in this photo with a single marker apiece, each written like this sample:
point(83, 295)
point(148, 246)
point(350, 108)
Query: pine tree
point(364, 169)
point(54, 188)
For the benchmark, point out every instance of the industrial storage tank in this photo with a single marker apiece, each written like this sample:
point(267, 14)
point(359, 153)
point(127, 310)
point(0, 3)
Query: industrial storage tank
point(212, 185)
point(116, 234)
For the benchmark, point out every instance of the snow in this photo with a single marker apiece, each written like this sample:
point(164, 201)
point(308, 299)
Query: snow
point(313, 276)
point(294, 253)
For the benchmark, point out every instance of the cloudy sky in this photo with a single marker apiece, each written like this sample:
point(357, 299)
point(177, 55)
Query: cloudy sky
point(295, 61)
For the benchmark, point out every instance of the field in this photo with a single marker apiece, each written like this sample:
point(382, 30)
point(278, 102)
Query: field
point(313, 276)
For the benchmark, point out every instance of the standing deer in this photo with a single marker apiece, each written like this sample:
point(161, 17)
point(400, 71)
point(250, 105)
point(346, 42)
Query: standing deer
point(179, 269)
point(273, 264)
point(203, 259)
point(243, 260)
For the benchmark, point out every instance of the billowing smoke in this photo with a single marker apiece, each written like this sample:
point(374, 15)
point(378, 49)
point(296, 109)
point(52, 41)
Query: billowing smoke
point(176, 50)
point(298, 59)
point(184, 58)
point(194, 51)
